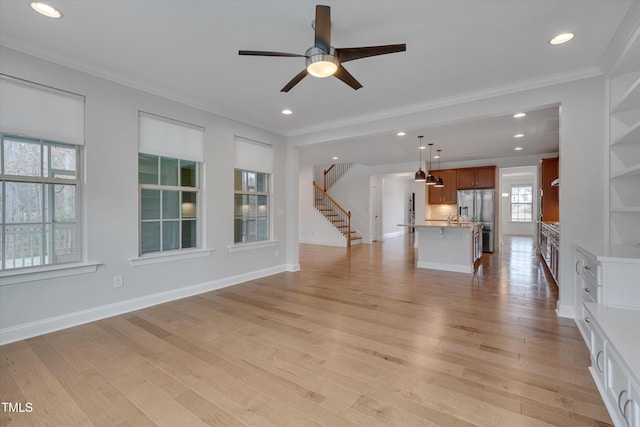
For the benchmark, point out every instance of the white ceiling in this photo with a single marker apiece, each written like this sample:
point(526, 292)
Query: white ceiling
point(187, 50)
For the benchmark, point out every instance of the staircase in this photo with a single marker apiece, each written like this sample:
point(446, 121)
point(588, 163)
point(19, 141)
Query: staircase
point(336, 214)
point(332, 174)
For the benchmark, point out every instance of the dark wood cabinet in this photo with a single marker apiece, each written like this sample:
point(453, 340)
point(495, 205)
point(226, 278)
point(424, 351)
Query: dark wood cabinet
point(486, 177)
point(466, 178)
point(448, 193)
point(550, 201)
point(480, 177)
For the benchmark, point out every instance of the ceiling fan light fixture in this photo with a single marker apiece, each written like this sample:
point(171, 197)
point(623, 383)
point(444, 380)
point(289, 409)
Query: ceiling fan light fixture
point(321, 64)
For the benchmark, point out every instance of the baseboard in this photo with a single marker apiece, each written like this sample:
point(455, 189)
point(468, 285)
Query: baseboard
point(394, 234)
point(563, 310)
point(444, 267)
point(292, 267)
point(56, 323)
point(318, 242)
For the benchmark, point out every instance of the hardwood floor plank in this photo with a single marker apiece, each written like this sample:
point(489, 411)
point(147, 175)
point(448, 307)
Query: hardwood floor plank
point(52, 405)
point(358, 336)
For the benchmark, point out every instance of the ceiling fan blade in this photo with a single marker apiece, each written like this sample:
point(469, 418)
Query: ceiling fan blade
point(294, 81)
point(351, 53)
point(346, 77)
point(266, 53)
point(323, 28)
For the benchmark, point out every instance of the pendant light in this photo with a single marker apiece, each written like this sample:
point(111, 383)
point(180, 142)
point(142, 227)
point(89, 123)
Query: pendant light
point(420, 175)
point(430, 178)
point(439, 180)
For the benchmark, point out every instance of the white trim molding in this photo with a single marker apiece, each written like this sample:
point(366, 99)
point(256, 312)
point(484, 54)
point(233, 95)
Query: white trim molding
point(161, 257)
point(12, 277)
point(56, 323)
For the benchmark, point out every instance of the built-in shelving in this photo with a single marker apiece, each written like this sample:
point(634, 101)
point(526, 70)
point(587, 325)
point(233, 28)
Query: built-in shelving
point(630, 171)
point(624, 145)
point(625, 92)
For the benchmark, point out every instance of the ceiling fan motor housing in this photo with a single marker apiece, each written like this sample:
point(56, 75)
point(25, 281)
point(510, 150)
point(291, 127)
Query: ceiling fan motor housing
point(320, 63)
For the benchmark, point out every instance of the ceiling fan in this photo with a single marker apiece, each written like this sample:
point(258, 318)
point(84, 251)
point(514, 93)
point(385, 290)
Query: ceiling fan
point(323, 60)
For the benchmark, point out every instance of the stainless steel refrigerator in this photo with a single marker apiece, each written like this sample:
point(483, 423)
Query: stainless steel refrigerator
point(478, 206)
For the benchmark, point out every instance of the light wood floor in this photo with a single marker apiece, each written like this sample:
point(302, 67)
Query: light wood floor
point(358, 337)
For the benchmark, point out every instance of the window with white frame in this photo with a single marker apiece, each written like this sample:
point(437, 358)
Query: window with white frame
point(252, 191)
point(39, 200)
point(169, 162)
point(521, 203)
point(41, 138)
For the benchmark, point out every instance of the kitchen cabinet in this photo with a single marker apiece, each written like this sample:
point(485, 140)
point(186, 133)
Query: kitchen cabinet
point(448, 246)
point(549, 194)
point(615, 360)
point(586, 288)
point(624, 145)
point(549, 246)
point(607, 302)
point(476, 243)
point(447, 194)
point(480, 177)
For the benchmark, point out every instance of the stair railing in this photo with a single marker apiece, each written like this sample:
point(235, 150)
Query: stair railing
point(334, 173)
point(340, 217)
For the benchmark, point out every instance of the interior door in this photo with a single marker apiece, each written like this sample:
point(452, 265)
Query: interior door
point(376, 220)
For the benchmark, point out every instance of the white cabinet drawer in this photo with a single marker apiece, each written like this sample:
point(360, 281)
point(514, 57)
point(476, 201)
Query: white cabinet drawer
point(621, 391)
point(598, 361)
point(632, 410)
point(586, 265)
point(589, 290)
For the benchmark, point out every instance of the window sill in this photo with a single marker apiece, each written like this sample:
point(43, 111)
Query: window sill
point(12, 277)
point(169, 256)
point(242, 247)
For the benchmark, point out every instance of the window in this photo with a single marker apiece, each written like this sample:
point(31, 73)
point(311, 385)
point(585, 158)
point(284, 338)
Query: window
point(39, 202)
point(170, 156)
point(521, 203)
point(252, 188)
point(251, 206)
point(169, 203)
point(40, 175)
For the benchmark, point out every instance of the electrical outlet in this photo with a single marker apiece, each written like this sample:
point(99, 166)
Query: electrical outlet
point(118, 281)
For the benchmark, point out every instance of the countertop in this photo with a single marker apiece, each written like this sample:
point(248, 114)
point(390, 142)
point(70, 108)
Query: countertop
point(618, 325)
point(443, 223)
point(617, 252)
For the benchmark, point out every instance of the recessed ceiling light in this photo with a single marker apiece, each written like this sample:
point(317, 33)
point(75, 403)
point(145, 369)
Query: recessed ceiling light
point(401, 133)
point(518, 148)
point(561, 38)
point(46, 10)
point(422, 147)
point(518, 135)
point(287, 112)
point(436, 157)
point(519, 115)
point(335, 158)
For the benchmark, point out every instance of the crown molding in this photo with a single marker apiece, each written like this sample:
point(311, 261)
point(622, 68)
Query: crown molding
point(628, 33)
point(516, 87)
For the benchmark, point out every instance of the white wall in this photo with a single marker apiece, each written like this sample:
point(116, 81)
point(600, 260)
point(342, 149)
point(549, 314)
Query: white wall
point(396, 193)
point(111, 210)
point(516, 176)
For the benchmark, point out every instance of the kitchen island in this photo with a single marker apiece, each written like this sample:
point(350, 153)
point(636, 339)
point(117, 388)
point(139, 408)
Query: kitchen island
point(450, 246)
